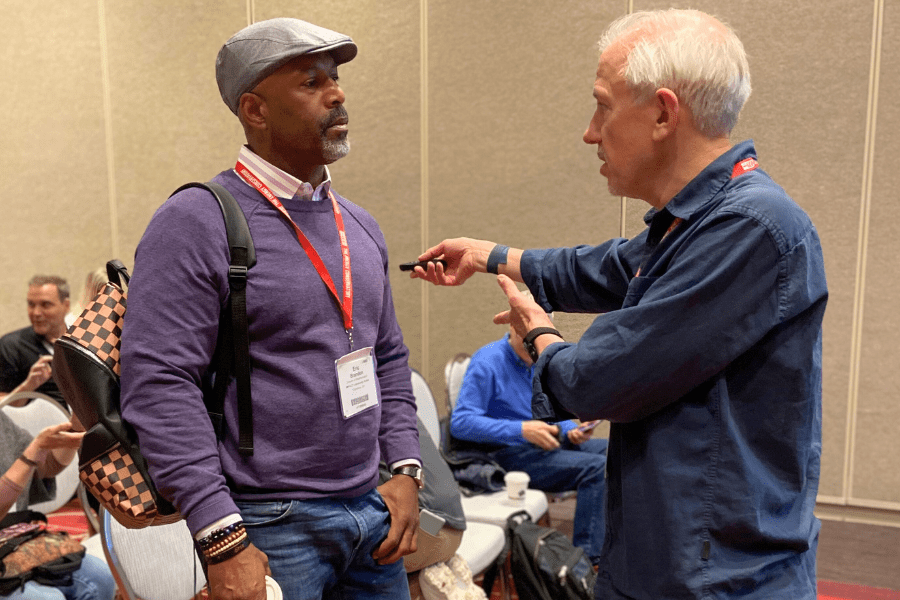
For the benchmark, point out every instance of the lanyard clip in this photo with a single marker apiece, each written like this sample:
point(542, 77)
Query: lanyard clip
point(350, 337)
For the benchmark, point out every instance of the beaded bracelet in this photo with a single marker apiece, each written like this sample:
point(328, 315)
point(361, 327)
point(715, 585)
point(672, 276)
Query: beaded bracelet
point(220, 534)
point(228, 553)
point(225, 543)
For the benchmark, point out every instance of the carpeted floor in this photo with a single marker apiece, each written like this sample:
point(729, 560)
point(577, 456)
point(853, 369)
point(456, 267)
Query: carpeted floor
point(836, 540)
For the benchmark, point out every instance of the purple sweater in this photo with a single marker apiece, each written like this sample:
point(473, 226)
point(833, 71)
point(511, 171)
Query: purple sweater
point(304, 448)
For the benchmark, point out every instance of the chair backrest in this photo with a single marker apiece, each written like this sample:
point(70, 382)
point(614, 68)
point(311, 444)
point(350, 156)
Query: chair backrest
point(426, 407)
point(453, 377)
point(42, 412)
point(153, 563)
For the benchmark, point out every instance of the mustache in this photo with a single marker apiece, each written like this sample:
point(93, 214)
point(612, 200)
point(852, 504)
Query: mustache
point(338, 113)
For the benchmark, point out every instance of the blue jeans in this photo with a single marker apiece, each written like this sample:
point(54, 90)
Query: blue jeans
point(93, 581)
point(579, 467)
point(322, 548)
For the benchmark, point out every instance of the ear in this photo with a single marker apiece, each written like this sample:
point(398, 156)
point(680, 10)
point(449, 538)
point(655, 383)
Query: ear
point(668, 109)
point(252, 110)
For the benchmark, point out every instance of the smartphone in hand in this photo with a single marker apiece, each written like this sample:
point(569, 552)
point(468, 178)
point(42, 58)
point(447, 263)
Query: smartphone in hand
point(587, 426)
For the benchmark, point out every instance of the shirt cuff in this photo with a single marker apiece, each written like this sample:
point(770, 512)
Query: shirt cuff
point(223, 522)
point(400, 463)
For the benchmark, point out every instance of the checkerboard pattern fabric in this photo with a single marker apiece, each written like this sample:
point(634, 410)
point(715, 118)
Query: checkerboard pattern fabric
point(99, 327)
point(116, 482)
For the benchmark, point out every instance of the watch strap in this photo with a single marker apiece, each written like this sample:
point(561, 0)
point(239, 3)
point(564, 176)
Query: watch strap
point(528, 340)
point(412, 471)
point(496, 258)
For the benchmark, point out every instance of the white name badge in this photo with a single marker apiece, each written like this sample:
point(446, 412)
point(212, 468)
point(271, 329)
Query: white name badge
point(356, 381)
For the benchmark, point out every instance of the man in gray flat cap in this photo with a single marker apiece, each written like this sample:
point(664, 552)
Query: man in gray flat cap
point(330, 380)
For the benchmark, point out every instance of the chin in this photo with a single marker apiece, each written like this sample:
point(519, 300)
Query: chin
point(333, 150)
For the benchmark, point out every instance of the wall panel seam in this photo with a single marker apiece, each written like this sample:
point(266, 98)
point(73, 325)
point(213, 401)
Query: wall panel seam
point(862, 247)
point(424, 168)
point(108, 129)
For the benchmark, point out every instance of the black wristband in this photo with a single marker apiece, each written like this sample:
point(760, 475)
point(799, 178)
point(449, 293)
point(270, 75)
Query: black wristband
point(528, 340)
point(496, 258)
point(28, 461)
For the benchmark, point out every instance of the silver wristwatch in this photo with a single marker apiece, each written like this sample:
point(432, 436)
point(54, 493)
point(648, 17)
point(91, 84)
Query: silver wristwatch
point(413, 471)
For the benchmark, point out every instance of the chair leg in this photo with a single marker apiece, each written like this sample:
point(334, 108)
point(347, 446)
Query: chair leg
point(504, 581)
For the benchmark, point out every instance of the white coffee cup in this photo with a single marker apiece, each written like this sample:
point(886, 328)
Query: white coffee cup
point(273, 590)
point(516, 484)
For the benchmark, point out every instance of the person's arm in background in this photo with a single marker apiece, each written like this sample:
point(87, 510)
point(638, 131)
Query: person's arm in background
point(495, 409)
point(47, 454)
point(471, 420)
point(11, 373)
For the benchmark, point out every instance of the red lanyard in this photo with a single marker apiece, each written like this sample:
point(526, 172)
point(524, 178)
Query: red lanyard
point(345, 304)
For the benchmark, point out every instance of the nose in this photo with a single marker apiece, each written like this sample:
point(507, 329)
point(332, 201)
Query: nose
point(591, 134)
point(336, 96)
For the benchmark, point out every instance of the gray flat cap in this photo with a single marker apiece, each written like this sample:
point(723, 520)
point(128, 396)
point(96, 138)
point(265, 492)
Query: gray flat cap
point(255, 52)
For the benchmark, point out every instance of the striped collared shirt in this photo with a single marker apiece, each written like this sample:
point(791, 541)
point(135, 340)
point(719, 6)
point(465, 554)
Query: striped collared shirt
point(284, 185)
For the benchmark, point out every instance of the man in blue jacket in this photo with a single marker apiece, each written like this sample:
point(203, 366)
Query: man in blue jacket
point(708, 359)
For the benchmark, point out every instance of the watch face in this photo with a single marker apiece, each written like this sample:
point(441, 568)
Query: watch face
point(414, 472)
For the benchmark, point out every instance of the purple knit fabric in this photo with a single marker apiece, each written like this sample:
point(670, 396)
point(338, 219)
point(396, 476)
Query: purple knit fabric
point(304, 448)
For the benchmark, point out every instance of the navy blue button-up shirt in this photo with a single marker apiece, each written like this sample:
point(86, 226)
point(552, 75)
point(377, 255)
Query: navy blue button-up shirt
point(709, 366)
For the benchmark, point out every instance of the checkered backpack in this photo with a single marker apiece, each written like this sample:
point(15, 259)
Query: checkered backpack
point(86, 369)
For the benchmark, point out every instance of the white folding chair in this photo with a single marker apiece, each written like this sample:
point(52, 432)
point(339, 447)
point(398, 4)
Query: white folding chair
point(492, 508)
point(42, 412)
point(154, 563)
point(453, 377)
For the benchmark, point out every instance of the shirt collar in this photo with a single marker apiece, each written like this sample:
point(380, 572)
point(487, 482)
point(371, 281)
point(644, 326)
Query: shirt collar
point(706, 184)
point(283, 184)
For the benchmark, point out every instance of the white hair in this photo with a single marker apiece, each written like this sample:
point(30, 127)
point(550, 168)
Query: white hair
point(704, 65)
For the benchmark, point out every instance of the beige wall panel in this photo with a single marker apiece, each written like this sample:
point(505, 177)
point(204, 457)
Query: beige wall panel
point(382, 173)
point(876, 476)
point(169, 124)
point(55, 208)
point(510, 97)
point(807, 117)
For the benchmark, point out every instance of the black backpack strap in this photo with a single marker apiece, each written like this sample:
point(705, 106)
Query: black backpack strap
point(234, 332)
point(116, 272)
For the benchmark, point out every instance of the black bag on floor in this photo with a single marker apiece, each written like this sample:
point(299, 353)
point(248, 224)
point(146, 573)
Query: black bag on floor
point(545, 565)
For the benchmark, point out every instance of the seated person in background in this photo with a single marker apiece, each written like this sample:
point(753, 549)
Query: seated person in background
point(94, 283)
point(493, 414)
point(21, 458)
point(25, 354)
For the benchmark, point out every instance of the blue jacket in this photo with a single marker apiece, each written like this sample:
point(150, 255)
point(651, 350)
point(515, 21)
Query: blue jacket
point(709, 367)
point(495, 398)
